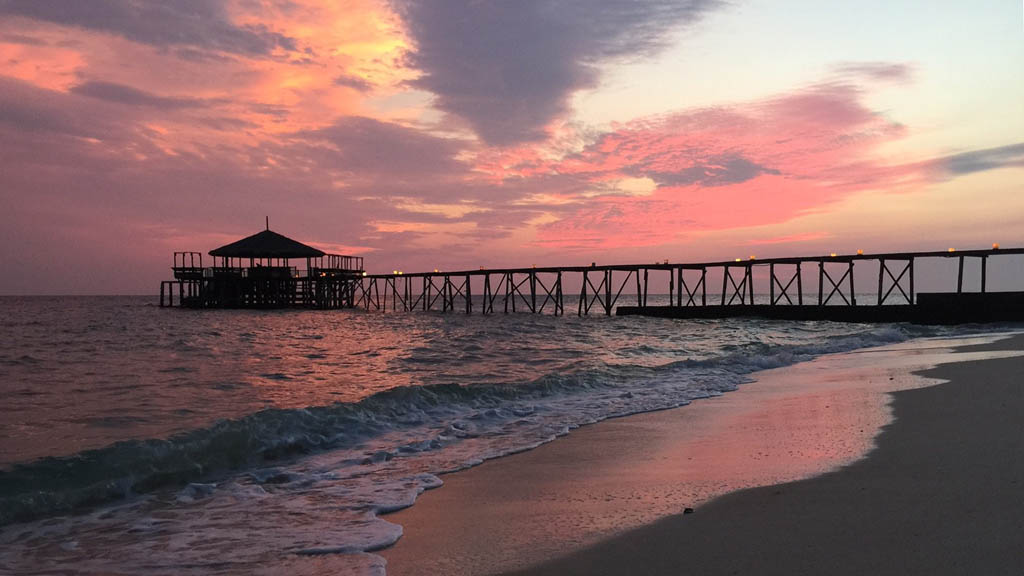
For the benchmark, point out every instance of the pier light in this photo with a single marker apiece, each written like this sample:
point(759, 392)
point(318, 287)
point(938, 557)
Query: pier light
point(833, 254)
point(739, 259)
point(995, 246)
point(395, 272)
point(860, 252)
point(752, 257)
point(952, 249)
point(436, 270)
point(400, 272)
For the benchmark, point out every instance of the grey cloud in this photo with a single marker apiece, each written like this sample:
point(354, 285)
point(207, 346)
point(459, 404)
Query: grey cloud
point(354, 82)
point(23, 39)
point(228, 124)
point(715, 171)
point(372, 147)
point(122, 94)
point(890, 71)
point(30, 110)
point(197, 23)
point(987, 159)
point(201, 56)
point(509, 68)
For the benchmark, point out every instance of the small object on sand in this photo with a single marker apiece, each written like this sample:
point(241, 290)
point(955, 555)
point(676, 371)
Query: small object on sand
point(688, 511)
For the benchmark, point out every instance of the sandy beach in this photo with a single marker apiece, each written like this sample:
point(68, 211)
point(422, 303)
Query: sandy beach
point(775, 472)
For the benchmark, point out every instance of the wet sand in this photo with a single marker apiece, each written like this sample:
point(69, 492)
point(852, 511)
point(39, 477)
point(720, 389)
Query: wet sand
point(943, 493)
point(610, 495)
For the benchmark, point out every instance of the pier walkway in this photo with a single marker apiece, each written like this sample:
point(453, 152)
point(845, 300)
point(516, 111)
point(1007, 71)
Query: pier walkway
point(625, 288)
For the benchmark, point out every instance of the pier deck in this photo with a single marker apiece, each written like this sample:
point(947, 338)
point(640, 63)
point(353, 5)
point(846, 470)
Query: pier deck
point(257, 272)
point(628, 289)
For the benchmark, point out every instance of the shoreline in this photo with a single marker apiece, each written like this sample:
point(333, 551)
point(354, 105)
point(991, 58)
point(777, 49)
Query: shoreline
point(603, 482)
point(940, 494)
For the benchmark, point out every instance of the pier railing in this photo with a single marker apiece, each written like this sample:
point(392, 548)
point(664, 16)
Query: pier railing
point(603, 287)
point(326, 282)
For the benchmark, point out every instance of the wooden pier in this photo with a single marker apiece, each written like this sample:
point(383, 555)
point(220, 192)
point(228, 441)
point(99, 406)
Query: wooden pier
point(606, 289)
point(258, 272)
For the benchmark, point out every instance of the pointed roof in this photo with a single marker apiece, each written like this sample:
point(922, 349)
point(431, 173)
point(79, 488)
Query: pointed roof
point(267, 244)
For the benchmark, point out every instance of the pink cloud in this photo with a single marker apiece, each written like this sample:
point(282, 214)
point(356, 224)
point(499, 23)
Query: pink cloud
point(731, 167)
point(788, 239)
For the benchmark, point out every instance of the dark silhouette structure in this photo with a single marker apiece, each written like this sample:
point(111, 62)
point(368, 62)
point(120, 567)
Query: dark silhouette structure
point(255, 272)
point(537, 290)
point(258, 272)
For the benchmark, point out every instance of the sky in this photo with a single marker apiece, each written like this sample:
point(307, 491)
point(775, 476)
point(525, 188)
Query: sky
point(455, 134)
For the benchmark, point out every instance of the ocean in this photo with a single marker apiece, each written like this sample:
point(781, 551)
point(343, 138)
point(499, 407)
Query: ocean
point(141, 440)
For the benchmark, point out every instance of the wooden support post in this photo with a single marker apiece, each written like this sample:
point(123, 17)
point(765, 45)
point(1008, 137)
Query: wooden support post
point(679, 283)
point(771, 283)
point(533, 291)
point(799, 284)
point(911, 280)
point(639, 294)
point(853, 295)
point(960, 277)
point(725, 280)
point(560, 308)
point(583, 294)
point(671, 286)
point(821, 282)
point(881, 271)
point(608, 292)
point(703, 286)
point(515, 290)
point(488, 300)
point(451, 293)
point(469, 297)
point(750, 282)
point(645, 287)
point(984, 272)
point(426, 293)
point(162, 294)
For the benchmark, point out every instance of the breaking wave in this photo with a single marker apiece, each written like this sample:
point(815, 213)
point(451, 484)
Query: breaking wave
point(436, 428)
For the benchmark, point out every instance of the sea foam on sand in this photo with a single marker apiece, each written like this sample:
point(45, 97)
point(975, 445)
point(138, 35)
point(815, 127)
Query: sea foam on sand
point(792, 423)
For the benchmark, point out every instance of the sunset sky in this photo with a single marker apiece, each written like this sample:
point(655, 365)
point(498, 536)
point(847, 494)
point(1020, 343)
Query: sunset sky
point(456, 134)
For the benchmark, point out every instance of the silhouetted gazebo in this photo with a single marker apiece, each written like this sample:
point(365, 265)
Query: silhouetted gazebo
point(255, 272)
point(267, 247)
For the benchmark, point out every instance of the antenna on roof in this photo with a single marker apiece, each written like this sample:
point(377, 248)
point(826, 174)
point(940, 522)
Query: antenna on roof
point(268, 222)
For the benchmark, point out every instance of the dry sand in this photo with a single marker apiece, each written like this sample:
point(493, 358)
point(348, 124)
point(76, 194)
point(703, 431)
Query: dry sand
point(943, 493)
point(920, 501)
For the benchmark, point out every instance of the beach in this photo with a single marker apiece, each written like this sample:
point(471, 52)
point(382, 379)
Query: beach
point(849, 464)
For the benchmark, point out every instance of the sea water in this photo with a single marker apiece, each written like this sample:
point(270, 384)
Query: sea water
point(141, 440)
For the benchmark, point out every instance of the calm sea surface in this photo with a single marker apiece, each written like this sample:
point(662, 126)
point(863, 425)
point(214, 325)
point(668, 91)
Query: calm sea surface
point(141, 440)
